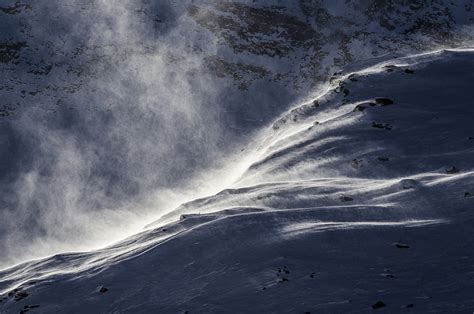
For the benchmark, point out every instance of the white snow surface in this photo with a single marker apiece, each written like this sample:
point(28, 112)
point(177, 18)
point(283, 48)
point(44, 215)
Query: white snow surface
point(315, 223)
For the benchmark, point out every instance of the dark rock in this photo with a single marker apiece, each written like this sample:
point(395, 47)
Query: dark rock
point(356, 163)
point(383, 158)
point(401, 245)
point(408, 184)
point(381, 125)
point(103, 290)
point(352, 78)
point(281, 280)
point(346, 92)
point(390, 67)
point(467, 194)
point(410, 305)
point(344, 198)
point(315, 103)
point(312, 275)
point(10, 52)
point(409, 71)
point(383, 101)
point(20, 295)
point(452, 170)
point(33, 306)
point(389, 275)
point(378, 305)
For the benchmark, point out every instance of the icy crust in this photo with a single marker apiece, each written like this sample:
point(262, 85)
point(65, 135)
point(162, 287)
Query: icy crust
point(369, 208)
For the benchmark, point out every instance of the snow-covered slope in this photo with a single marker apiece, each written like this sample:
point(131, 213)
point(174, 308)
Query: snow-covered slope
point(362, 198)
point(114, 112)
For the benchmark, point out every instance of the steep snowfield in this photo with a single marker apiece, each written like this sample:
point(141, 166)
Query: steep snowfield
point(114, 112)
point(364, 195)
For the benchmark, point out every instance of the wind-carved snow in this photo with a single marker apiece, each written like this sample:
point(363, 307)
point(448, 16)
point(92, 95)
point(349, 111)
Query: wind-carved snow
point(363, 195)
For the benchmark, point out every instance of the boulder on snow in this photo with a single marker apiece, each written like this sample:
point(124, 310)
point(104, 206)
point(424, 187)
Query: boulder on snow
point(352, 78)
point(103, 289)
point(385, 126)
point(378, 305)
point(357, 163)
point(452, 170)
point(383, 101)
point(401, 245)
point(344, 198)
point(20, 295)
point(406, 184)
point(363, 106)
point(390, 67)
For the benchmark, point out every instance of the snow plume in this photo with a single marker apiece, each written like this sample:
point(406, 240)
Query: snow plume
point(141, 124)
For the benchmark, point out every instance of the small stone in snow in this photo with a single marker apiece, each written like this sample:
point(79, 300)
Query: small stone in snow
point(452, 170)
point(381, 125)
point(103, 290)
point(383, 101)
point(20, 295)
point(378, 305)
point(344, 198)
point(401, 245)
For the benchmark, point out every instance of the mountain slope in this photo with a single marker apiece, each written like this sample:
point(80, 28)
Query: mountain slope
point(362, 195)
point(113, 113)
